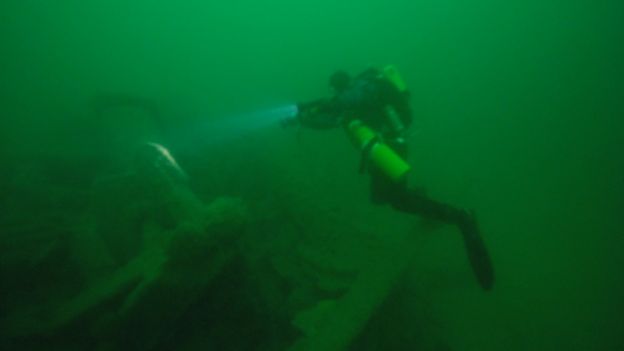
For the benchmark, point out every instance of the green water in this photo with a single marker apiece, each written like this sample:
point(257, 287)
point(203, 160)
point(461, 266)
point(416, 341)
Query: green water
point(518, 114)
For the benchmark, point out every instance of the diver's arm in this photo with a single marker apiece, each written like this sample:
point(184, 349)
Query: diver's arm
point(405, 113)
point(320, 114)
point(319, 121)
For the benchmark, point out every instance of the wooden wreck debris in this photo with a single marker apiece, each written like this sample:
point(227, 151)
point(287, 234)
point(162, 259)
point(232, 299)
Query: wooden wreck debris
point(332, 325)
point(148, 294)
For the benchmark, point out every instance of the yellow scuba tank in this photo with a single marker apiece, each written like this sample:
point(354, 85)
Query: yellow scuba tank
point(391, 73)
point(377, 152)
point(394, 120)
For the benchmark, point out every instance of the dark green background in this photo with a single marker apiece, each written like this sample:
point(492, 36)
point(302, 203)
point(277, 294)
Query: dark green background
point(519, 112)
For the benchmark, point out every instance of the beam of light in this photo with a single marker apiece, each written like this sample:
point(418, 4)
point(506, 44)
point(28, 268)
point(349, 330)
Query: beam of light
point(215, 131)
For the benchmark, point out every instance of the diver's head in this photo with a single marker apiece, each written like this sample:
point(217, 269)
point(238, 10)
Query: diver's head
point(340, 80)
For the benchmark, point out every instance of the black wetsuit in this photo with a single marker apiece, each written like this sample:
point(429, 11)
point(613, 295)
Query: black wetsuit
point(366, 99)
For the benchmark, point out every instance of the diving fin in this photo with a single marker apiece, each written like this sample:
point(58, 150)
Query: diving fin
point(478, 255)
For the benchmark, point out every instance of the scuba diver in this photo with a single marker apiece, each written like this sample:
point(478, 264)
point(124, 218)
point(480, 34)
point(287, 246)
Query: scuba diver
point(374, 109)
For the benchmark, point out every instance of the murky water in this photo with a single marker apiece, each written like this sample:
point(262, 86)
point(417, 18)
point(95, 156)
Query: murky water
point(232, 233)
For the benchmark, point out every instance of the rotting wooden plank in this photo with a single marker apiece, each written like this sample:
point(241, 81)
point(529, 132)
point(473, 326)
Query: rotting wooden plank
point(176, 271)
point(341, 323)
